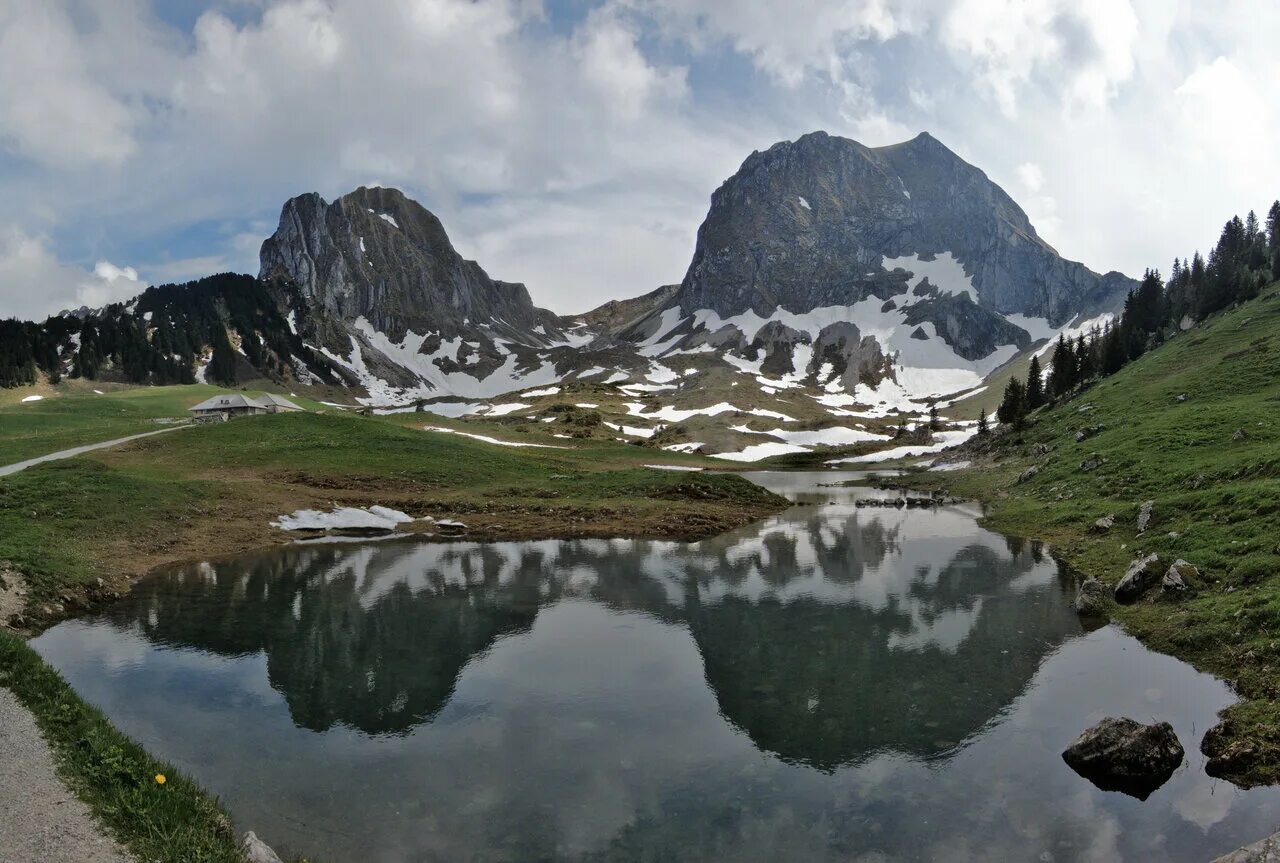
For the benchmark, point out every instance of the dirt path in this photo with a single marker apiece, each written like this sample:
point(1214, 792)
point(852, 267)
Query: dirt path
point(7, 469)
point(40, 820)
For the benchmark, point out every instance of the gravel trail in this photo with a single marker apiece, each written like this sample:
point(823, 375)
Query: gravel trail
point(40, 820)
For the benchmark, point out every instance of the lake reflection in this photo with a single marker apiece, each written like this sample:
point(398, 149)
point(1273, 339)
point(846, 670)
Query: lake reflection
point(831, 684)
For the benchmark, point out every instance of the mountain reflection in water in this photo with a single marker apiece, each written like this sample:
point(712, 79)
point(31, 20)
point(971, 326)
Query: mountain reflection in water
point(579, 699)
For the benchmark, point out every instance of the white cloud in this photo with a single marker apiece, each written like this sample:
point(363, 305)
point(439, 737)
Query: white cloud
point(49, 285)
point(1031, 176)
point(579, 157)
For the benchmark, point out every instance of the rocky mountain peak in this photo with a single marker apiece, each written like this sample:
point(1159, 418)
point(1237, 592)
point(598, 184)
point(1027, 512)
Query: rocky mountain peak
point(377, 255)
point(811, 223)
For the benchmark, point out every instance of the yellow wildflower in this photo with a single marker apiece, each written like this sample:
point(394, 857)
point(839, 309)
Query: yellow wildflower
point(160, 780)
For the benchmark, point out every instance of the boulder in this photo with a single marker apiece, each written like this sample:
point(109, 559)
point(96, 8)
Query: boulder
point(1041, 449)
point(1179, 578)
point(1240, 434)
point(1028, 474)
point(1092, 463)
point(1137, 578)
point(257, 851)
point(1144, 514)
point(1105, 523)
point(1182, 397)
point(1091, 600)
point(1122, 754)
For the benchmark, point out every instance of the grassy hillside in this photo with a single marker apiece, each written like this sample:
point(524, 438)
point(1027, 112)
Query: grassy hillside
point(214, 489)
point(74, 413)
point(1193, 426)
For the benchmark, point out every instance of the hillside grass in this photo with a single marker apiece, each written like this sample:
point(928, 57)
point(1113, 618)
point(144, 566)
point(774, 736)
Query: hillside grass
point(71, 414)
point(114, 514)
point(1211, 464)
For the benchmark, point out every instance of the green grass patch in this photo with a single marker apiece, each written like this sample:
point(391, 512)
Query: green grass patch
point(176, 822)
point(72, 414)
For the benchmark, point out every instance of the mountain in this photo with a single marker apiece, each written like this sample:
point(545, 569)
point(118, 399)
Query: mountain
point(384, 293)
point(837, 262)
point(836, 292)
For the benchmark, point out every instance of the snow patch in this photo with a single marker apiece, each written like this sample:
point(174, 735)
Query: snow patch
point(759, 451)
point(33, 399)
point(343, 518)
point(487, 439)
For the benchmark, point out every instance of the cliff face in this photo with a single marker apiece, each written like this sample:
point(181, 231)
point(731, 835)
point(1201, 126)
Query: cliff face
point(848, 265)
point(819, 221)
point(377, 255)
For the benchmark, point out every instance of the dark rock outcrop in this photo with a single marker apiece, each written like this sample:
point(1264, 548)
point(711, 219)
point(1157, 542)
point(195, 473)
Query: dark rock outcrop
point(1121, 754)
point(1140, 575)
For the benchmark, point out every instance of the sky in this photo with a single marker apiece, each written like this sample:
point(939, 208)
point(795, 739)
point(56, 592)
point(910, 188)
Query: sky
point(573, 145)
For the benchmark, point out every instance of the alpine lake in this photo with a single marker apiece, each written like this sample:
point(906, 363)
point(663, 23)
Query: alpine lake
point(836, 683)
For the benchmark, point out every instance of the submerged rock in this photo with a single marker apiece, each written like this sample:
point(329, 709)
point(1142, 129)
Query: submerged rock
point(1138, 577)
point(1091, 600)
point(1122, 754)
point(1266, 851)
point(257, 851)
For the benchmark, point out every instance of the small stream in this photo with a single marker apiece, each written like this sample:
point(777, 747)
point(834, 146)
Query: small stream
point(833, 683)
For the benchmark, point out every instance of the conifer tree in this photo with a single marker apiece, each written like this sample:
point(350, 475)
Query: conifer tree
point(982, 422)
point(1035, 385)
point(1013, 406)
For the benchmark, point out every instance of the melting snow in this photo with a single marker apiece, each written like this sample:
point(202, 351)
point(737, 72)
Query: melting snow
point(491, 440)
point(634, 431)
point(948, 439)
point(758, 451)
point(503, 410)
point(533, 394)
point(678, 467)
point(376, 517)
point(944, 272)
point(805, 204)
point(833, 436)
point(33, 398)
point(390, 220)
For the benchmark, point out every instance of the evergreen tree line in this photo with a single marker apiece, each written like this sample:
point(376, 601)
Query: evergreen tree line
point(162, 336)
point(1245, 259)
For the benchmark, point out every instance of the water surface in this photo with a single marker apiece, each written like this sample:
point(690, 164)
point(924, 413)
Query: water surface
point(833, 683)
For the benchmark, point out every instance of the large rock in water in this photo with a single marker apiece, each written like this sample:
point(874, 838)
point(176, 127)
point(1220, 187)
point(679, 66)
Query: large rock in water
point(1121, 754)
point(1091, 600)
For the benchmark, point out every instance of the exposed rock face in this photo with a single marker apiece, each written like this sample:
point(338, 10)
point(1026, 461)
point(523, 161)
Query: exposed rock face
point(1121, 754)
point(1144, 515)
point(1140, 576)
point(1179, 578)
point(807, 223)
point(377, 255)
